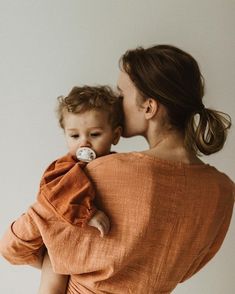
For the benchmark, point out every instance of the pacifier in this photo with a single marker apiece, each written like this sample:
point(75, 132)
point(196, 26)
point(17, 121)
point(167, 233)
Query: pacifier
point(85, 154)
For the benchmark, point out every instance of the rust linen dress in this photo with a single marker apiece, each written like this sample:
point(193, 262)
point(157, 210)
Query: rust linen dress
point(167, 221)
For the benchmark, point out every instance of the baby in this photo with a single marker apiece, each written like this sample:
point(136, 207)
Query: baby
point(91, 118)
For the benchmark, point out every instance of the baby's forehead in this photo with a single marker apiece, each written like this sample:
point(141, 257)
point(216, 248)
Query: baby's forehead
point(96, 113)
point(91, 112)
point(88, 118)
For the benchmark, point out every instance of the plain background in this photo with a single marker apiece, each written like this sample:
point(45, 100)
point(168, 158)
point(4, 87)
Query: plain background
point(48, 46)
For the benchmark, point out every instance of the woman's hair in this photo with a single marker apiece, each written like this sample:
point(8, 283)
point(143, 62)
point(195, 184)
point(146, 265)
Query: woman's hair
point(173, 78)
point(86, 98)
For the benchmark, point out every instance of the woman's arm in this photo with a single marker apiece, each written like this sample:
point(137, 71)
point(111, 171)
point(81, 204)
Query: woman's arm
point(22, 242)
point(214, 247)
point(66, 196)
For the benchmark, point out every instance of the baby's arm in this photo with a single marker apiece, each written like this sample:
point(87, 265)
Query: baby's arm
point(51, 283)
point(68, 191)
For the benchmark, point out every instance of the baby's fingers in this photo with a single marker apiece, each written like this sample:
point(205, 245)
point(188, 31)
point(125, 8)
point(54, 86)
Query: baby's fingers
point(101, 222)
point(102, 232)
point(104, 227)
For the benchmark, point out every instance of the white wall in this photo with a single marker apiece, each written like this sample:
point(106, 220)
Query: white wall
point(48, 46)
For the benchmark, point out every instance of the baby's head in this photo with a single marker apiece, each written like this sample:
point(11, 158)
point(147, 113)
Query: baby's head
point(91, 117)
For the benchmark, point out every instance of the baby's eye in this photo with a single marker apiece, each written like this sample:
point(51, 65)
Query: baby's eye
point(75, 136)
point(95, 134)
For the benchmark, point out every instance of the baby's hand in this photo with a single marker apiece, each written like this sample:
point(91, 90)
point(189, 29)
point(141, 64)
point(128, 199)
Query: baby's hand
point(101, 222)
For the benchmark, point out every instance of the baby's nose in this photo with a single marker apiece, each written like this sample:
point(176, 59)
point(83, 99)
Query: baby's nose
point(84, 143)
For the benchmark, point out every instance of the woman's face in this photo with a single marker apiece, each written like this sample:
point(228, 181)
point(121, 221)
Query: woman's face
point(134, 119)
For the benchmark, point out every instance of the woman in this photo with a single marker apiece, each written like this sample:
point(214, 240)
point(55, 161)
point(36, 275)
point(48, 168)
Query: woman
point(169, 211)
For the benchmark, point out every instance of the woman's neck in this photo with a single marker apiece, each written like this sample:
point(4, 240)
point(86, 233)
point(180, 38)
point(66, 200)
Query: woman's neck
point(170, 146)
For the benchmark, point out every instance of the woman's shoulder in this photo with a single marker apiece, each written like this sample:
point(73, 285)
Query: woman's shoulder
point(140, 159)
point(113, 158)
point(135, 159)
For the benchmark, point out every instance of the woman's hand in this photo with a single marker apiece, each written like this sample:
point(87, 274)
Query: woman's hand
point(101, 222)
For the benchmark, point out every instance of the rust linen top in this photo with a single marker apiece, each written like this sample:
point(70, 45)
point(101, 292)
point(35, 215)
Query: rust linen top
point(168, 220)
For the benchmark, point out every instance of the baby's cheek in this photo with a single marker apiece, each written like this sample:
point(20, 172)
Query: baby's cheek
point(72, 153)
point(73, 149)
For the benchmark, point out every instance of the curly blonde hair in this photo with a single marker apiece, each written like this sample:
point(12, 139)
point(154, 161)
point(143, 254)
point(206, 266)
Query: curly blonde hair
point(85, 98)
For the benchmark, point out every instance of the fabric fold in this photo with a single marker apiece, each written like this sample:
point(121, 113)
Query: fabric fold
point(66, 189)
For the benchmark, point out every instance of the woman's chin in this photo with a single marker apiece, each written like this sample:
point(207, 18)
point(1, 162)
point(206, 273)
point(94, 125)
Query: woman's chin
point(125, 134)
point(128, 134)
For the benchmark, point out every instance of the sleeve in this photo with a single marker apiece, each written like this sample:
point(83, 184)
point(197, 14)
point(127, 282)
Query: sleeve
point(22, 242)
point(65, 195)
point(210, 252)
point(67, 191)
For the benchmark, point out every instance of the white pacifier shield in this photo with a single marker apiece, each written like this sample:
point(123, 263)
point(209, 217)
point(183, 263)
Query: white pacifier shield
point(85, 154)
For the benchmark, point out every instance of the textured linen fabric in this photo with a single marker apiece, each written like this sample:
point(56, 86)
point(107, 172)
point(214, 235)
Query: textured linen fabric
point(67, 190)
point(66, 193)
point(168, 220)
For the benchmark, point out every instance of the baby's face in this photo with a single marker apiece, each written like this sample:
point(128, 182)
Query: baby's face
point(90, 129)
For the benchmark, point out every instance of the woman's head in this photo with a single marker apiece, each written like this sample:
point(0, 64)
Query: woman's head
point(172, 77)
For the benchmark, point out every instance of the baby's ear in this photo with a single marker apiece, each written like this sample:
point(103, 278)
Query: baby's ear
point(116, 135)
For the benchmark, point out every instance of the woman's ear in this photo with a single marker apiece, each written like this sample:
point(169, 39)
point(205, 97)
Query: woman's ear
point(116, 135)
point(150, 108)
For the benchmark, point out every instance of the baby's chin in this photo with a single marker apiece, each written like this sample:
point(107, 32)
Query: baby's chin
point(102, 154)
point(73, 154)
